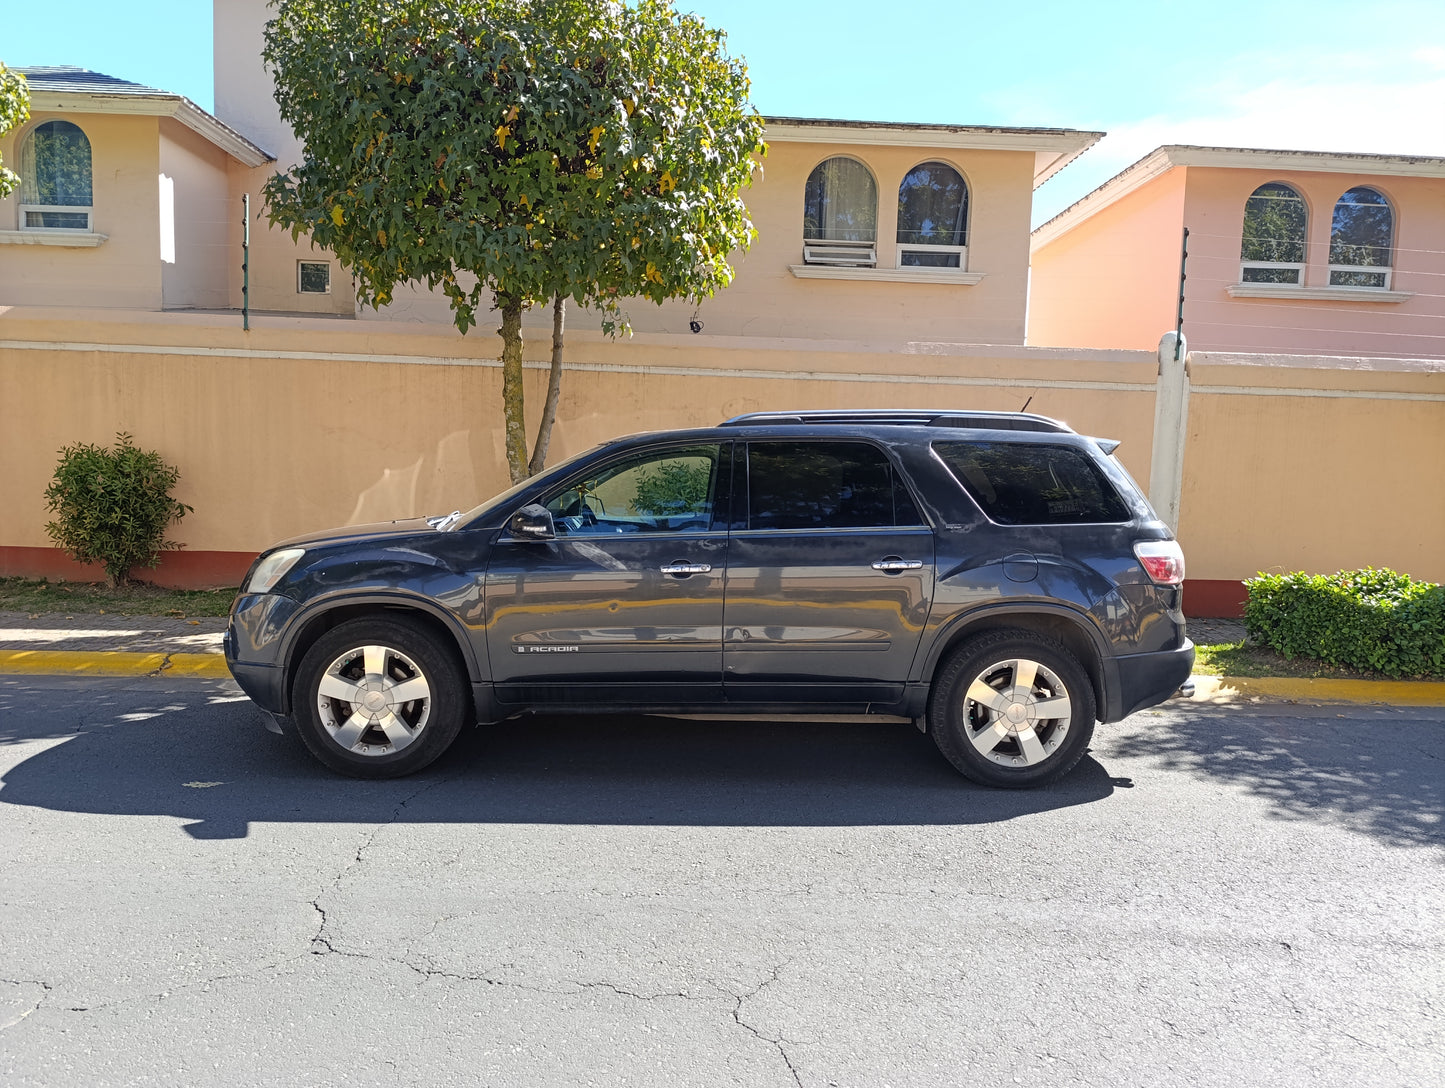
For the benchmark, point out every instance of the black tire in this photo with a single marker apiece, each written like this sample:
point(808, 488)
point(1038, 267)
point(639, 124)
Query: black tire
point(357, 724)
point(1011, 739)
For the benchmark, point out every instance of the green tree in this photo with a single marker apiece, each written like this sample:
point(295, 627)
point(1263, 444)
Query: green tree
point(513, 152)
point(14, 112)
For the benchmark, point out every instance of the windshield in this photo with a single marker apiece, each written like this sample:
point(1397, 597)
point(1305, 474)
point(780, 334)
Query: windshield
point(507, 496)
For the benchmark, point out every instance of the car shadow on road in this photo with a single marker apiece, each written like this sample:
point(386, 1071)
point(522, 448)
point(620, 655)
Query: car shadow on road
point(213, 765)
point(1375, 770)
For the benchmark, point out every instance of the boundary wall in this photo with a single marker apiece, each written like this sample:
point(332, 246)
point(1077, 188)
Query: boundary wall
point(305, 423)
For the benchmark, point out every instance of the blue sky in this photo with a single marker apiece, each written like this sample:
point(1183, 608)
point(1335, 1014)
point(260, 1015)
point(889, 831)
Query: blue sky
point(1319, 75)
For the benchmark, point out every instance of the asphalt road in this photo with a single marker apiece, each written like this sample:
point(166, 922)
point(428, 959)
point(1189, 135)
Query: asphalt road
point(1217, 896)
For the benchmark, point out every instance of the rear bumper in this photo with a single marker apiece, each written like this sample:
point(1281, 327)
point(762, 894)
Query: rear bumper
point(1136, 681)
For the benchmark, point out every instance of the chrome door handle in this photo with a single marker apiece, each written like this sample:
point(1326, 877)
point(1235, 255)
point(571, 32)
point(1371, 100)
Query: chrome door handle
point(687, 568)
point(892, 564)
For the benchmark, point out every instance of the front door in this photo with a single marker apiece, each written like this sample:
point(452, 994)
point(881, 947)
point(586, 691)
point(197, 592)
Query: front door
point(624, 605)
point(830, 576)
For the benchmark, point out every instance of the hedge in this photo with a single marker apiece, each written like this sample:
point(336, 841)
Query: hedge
point(1364, 619)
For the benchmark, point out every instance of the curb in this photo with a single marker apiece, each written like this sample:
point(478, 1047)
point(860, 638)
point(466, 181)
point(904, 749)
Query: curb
point(1217, 690)
point(111, 663)
point(1234, 689)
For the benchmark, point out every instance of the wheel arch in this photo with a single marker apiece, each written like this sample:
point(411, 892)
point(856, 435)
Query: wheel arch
point(1069, 628)
point(325, 616)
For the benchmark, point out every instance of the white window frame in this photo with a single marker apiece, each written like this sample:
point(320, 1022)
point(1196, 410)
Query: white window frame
point(1367, 269)
point(300, 264)
point(69, 209)
point(1298, 266)
point(840, 254)
point(962, 252)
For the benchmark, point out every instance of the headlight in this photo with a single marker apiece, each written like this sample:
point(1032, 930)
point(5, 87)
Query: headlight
point(272, 568)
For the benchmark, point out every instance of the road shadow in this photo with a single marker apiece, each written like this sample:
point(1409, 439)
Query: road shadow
point(1380, 771)
point(203, 756)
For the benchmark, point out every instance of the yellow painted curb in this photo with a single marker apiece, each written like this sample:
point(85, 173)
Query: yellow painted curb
point(1221, 689)
point(111, 663)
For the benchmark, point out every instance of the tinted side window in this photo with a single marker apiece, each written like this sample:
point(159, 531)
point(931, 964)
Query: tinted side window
point(824, 485)
point(656, 491)
point(1022, 484)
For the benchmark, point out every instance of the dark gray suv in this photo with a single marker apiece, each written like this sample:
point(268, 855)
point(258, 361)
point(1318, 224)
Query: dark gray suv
point(994, 576)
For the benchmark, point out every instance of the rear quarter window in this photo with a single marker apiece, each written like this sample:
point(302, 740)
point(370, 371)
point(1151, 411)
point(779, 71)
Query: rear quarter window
point(1020, 483)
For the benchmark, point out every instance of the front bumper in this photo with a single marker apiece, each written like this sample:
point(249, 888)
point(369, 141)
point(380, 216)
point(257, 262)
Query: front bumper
point(252, 647)
point(1136, 681)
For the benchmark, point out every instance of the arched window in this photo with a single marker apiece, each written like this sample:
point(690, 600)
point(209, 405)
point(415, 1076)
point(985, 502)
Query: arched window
point(55, 191)
point(1361, 234)
point(932, 218)
point(840, 214)
point(1275, 222)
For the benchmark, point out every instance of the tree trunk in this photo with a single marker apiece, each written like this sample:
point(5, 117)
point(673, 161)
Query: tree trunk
point(554, 389)
point(513, 407)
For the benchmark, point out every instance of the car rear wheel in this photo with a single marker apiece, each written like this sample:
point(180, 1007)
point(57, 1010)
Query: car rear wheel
point(1012, 709)
point(379, 698)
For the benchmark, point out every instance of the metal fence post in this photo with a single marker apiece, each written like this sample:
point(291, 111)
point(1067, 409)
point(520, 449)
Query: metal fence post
point(1171, 428)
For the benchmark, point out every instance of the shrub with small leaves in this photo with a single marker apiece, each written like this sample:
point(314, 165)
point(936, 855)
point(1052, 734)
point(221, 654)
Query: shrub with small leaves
point(1366, 619)
point(112, 506)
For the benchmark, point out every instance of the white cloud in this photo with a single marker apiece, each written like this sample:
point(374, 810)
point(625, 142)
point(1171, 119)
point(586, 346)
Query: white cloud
point(1402, 117)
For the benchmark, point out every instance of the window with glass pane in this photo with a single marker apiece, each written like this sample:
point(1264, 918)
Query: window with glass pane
point(660, 491)
point(1024, 484)
point(932, 217)
point(55, 181)
point(824, 485)
point(1273, 247)
point(313, 277)
point(1360, 239)
point(840, 203)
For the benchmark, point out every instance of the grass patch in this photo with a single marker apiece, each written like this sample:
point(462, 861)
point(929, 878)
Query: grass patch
point(39, 597)
point(1247, 659)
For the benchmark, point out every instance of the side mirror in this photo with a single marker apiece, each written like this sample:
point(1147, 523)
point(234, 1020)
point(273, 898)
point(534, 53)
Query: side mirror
point(533, 522)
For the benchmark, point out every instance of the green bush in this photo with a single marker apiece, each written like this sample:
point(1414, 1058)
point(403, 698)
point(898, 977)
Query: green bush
point(1364, 619)
point(112, 506)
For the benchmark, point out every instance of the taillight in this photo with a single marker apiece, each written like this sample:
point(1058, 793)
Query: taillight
point(1163, 561)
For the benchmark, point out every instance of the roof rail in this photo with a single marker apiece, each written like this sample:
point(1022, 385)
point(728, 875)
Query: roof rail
point(991, 421)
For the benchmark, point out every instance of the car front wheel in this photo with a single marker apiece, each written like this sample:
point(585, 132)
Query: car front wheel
point(1012, 709)
point(378, 698)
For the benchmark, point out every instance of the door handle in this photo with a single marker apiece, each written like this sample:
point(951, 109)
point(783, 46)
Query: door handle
point(892, 564)
point(684, 569)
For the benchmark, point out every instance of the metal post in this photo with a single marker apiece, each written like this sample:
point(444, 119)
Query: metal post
point(246, 262)
point(1171, 427)
point(1179, 319)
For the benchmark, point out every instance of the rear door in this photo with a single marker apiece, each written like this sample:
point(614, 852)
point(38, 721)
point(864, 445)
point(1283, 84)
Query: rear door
point(830, 575)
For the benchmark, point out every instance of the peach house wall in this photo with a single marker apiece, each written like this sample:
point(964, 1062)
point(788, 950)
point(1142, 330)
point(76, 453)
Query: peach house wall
point(1112, 281)
point(766, 299)
point(124, 270)
point(1214, 213)
point(199, 276)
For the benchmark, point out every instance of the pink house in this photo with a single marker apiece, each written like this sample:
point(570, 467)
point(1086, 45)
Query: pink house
point(1290, 252)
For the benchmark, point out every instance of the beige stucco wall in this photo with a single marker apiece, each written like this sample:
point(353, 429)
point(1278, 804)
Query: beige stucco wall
point(1214, 213)
point(1316, 464)
point(1113, 281)
point(199, 275)
point(304, 423)
point(124, 270)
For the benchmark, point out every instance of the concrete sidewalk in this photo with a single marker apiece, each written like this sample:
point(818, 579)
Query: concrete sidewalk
point(109, 645)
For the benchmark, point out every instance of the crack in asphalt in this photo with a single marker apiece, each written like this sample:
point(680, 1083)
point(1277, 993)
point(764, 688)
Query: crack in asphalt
point(320, 943)
point(44, 992)
point(778, 1042)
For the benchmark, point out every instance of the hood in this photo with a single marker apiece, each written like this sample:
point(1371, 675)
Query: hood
point(354, 533)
